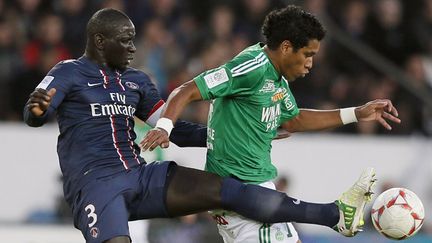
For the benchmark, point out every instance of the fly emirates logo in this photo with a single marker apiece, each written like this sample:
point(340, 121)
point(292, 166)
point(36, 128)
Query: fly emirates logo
point(119, 107)
point(270, 115)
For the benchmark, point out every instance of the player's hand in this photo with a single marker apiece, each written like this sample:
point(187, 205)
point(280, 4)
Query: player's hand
point(155, 137)
point(40, 100)
point(381, 110)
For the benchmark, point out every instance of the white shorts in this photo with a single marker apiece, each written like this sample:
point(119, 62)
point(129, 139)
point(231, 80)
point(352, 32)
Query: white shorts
point(235, 228)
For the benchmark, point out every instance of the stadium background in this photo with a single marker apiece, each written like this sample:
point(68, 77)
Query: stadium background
point(374, 49)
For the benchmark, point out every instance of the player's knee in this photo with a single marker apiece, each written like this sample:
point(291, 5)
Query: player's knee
point(119, 239)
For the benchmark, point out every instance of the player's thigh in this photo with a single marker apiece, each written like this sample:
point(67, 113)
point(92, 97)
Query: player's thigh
point(190, 191)
point(150, 200)
point(236, 229)
point(100, 221)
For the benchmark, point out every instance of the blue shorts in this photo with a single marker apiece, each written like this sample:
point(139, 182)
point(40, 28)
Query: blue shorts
point(104, 206)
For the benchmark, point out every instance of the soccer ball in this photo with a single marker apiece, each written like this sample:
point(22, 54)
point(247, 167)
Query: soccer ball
point(397, 213)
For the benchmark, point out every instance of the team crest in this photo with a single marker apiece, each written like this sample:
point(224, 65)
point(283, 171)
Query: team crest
point(268, 86)
point(132, 85)
point(94, 232)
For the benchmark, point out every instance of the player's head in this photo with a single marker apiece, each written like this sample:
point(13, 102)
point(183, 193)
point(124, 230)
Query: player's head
point(294, 36)
point(110, 35)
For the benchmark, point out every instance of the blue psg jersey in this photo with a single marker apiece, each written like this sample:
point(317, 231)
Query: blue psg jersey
point(95, 110)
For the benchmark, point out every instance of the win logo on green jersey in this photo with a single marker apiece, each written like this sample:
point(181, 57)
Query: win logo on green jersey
point(270, 115)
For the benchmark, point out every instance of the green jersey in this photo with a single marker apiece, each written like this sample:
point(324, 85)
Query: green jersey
point(250, 100)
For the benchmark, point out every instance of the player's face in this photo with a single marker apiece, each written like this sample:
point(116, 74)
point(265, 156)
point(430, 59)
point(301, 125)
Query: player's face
point(119, 49)
point(296, 64)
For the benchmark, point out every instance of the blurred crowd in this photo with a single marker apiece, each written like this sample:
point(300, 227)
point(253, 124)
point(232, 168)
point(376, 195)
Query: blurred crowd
point(177, 40)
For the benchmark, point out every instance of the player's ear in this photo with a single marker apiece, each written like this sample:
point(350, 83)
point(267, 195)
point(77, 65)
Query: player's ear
point(99, 40)
point(286, 47)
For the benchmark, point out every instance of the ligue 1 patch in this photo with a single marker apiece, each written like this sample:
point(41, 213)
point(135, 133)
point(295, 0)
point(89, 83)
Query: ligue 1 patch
point(94, 232)
point(216, 78)
point(132, 85)
point(45, 82)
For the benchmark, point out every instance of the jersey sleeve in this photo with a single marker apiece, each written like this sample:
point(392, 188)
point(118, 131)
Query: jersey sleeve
point(289, 107)
point(150, 100)
point(60, 77)
point(189, 134)
point(221, 82)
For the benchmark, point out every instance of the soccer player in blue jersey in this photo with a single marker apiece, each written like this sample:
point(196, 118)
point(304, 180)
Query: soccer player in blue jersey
point(106, 182)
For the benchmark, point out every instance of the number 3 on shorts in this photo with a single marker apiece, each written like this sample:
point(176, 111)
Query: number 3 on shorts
point(91, 214)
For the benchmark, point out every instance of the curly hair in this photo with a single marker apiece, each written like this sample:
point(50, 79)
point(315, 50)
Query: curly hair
point(294, 24)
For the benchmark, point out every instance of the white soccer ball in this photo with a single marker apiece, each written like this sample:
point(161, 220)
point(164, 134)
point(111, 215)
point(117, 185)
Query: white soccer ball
point(397, 213)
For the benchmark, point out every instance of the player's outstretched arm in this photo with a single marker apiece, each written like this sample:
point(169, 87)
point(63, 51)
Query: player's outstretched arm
point(37, 106)
point(177, 101)
point(381, 110)
point(311, 120)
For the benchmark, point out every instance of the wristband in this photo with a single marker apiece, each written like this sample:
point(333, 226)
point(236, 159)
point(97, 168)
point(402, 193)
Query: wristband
point(348, 115)
point(166, 124)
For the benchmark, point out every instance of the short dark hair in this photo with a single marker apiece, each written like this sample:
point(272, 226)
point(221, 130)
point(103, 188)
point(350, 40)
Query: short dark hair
point(294, 24)
point(105, 21)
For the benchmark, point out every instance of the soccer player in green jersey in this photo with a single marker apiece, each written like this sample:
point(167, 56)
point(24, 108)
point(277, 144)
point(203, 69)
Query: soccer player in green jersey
point(250, 98)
